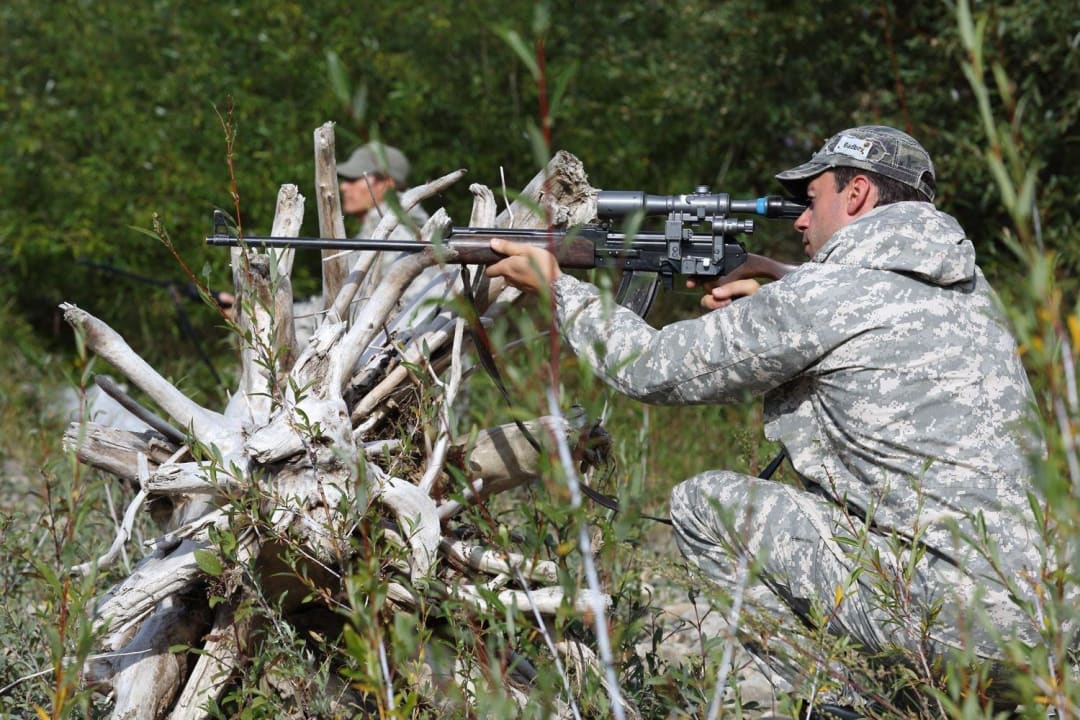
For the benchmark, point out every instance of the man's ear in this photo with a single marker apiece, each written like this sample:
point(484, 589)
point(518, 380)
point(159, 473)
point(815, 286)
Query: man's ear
point(860, 196)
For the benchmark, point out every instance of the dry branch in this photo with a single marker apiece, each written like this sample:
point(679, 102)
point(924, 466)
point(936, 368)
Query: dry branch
point(207, 425)
point(408, 200)
point(293, 445)
point(115, 451)
point(331, 224)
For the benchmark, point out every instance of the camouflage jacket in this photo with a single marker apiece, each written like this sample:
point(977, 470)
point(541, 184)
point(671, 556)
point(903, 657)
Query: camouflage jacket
point(888, 371)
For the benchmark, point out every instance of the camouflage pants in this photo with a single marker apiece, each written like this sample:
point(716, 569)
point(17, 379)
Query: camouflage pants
point(806, 551)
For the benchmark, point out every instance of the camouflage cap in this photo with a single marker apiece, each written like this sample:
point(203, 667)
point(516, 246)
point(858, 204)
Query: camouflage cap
point(375, 157)
point(876, 148)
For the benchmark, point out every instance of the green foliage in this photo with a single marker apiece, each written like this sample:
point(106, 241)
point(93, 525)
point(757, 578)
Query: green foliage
point(111, 121)
point(50, 521)
point(109, 115)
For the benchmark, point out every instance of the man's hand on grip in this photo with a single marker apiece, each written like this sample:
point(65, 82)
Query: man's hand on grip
point(719, 294)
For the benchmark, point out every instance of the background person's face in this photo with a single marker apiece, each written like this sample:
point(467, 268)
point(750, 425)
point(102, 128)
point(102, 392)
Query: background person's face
point(361, 194)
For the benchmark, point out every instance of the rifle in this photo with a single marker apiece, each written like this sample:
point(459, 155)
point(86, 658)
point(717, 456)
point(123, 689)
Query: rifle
point(699, 239)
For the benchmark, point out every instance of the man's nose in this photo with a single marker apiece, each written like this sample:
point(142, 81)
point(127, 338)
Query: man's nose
point(803, 221)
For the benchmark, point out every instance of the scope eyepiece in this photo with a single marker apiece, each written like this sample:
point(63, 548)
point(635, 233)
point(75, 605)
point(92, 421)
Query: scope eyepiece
point(775, 206)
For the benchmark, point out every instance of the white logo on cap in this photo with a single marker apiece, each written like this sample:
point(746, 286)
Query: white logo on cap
point(853, 147)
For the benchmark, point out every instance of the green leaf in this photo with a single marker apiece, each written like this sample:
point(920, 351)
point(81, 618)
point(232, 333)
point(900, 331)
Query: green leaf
point(511, 38)
point(338, 81)
point(1004, 86)
point(965, 24)
point(1005, 186)
point(209, 562)
point(360, 103)
point(558, 90)
point(540, 151)
point(1025, 201)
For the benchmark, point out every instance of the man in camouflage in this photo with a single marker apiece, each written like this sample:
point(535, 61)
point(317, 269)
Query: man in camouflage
point(892, 381)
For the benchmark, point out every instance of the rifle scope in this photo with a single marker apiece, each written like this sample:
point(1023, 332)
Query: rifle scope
point(701, 203)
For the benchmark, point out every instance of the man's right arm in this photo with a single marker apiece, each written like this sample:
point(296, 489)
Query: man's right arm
point(751, 347)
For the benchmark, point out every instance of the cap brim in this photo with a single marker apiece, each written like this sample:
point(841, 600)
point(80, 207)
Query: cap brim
point(352, 172)
point(796, 179)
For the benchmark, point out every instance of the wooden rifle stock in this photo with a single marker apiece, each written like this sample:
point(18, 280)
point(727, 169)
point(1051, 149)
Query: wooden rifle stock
point(759, 266)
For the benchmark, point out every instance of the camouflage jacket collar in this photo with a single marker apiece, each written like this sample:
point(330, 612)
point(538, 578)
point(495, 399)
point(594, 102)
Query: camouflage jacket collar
point(909, 237)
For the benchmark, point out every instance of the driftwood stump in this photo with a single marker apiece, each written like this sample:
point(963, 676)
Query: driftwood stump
point(303, 461)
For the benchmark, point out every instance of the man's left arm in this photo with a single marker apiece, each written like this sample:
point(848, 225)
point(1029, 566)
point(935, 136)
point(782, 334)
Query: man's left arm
point(526, 267)
point(755, 345)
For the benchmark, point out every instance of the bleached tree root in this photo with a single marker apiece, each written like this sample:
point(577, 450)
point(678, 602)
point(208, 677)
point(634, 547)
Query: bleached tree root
point(294, 475)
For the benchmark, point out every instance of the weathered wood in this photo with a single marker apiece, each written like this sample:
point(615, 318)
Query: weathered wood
point(144, 675)
point(154, 580)
point(288, 217)
point(408, 200)
point(190, 478)
point(419, 520)
point(219, 657)
point(210, 426)
point(373, 316)
point(335, 267)
point(255, 314)
point(292, 441)
point(115, 451)
point(561, 190)
point(545, 600)
point(495, 562)
point(503, 457)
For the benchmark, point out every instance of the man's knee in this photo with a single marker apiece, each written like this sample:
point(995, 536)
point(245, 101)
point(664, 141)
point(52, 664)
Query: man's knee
point(698, 508)
point(703, 496)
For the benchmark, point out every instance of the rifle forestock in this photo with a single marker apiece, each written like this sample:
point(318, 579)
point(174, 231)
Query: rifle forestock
point(759, 266)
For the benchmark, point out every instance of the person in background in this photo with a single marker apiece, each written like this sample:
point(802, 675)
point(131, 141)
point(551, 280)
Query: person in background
point(365, 179)
point(371, 171)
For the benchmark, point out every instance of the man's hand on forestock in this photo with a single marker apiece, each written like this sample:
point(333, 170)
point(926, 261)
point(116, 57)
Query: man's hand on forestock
point(526, 267)
point(720, 294)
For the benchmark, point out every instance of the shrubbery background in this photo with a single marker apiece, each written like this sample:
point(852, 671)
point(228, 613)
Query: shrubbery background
point(109, 116)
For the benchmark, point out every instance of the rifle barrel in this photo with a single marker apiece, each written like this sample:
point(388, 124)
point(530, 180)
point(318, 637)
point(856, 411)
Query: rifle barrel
point(461, 237)
point(319, 243)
